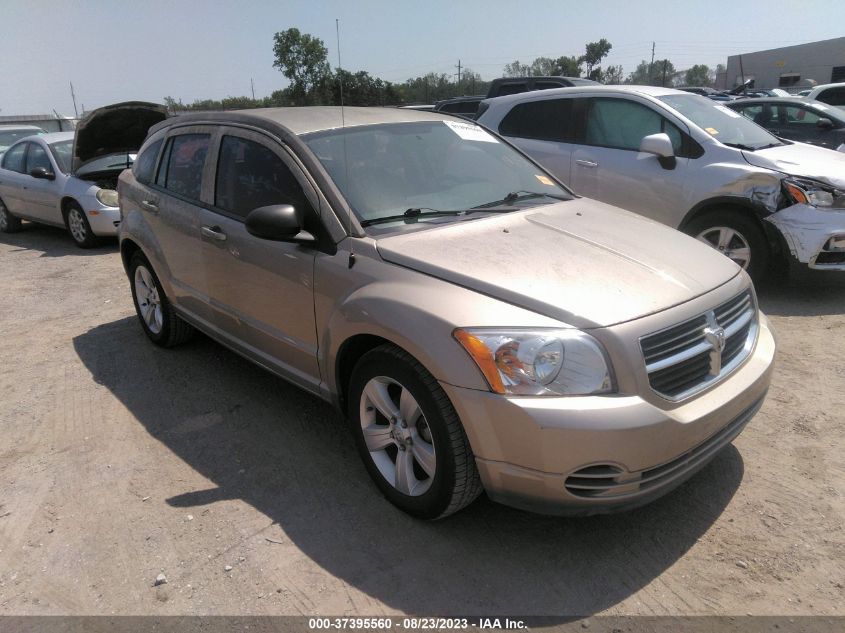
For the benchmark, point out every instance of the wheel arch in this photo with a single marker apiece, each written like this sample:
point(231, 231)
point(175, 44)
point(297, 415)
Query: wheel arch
point(348, 355)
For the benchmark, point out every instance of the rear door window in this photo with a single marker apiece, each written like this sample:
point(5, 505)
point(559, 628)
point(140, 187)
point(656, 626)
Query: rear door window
point(13, 159)
point(250, 175)
point(547, 120)
point(181, 172)
point(145, 163)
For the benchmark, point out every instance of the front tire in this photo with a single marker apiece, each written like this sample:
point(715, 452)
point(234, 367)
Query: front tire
point(8, 222)
point(158, 320)
point(78, 227)
point(409, 435)
point(736, 236)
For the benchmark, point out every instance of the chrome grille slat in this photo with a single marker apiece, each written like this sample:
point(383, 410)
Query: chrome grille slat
point(683, 359)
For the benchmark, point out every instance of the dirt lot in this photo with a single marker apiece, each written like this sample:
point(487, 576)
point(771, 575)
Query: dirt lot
point(120, 461)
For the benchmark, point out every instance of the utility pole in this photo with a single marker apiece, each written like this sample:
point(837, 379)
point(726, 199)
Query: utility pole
point(459, 77)
point(73, 96)
point(252, 85)
point(651, 65)
point(663, 83)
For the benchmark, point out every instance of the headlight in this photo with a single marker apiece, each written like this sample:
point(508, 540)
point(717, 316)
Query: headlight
point(538, 362)
point(107, 197)
point(814, 193)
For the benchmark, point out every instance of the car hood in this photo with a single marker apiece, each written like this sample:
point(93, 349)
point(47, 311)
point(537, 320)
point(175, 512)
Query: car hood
point(582, 262)
point(800, 159)
point(119, 128)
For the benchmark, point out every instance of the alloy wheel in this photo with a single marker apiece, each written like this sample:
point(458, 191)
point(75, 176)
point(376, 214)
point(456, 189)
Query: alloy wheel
point(76, 224)
point(149, 301)
point(729, 242)
point(397, 436)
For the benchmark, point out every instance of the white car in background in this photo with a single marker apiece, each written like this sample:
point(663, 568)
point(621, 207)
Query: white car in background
point(10, 134)
point(69, 179)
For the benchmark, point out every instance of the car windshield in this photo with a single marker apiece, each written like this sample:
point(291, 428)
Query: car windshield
point(61, 152)
point(723, 124)
point(392, 169)
point(8, 137)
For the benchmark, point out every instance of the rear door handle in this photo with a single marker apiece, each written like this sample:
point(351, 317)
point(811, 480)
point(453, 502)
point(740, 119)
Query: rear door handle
point(149, 205)
point(586, 163)
point(213, 233)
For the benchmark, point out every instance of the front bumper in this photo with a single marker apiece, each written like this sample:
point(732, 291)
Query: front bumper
point(589, 455)
point(808, 231)
point(104, 221)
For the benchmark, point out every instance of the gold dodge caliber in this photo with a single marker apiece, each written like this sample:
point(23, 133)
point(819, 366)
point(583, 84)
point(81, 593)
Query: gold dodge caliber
point(481, 326)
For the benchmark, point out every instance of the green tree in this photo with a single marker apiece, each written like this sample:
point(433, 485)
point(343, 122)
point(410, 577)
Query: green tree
point(543, 67)
point(612, 75)
point(596, 51)
point(302, 58)
point(698, 75)
point(516, 69)
point(647, 74)
point(568, 66)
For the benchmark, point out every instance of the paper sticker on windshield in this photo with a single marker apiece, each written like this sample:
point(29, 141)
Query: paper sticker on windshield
point(545, 180)
point(728, 111)
point(712, 131)
point(470, 132)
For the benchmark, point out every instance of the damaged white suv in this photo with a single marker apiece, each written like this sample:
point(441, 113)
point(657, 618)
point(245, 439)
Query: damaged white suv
point(680, 159)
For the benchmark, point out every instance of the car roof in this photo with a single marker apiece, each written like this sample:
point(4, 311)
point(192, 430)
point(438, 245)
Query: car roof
point(8, 128)
point(55, 137)
point(304, 120)
point(818, 89)
point(651, 91)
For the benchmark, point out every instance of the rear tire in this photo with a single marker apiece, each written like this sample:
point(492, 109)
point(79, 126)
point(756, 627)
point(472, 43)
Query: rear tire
point(409, 435)
point(78, 227)
point(158, 320)
point(8, 222)
point(737, 236)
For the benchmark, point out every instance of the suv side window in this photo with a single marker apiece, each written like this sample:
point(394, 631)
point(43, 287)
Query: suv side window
point(13, 158)
point(622, 124)
point(833, 96)
point(145, 163)
point(546, 120)
point(250, 175)
point(181, 171)
point(37, 157)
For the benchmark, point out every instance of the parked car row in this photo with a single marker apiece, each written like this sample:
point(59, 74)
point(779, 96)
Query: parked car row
point(797, 119)
point(687, 162)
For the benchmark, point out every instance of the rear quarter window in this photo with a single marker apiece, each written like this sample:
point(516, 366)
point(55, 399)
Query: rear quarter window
point(546, 120)
point(145, 163)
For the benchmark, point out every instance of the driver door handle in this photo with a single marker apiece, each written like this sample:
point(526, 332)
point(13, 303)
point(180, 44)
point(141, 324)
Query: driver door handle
point(213, 233)
point(586, 163)
point(150, 206)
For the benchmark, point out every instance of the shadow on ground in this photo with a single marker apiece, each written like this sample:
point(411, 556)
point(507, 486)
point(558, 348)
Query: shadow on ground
point(52, 241)
point(219, 413)
point(804, 292)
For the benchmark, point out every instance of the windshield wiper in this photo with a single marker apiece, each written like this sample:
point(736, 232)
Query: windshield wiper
point(516, 196)
point(741, 146)
point(411, 215)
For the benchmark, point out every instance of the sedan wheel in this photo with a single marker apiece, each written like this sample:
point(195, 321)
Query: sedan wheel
point(397, 436)
point(729, 242)
point(149, 301)
point(8, 222)
point(77, 225)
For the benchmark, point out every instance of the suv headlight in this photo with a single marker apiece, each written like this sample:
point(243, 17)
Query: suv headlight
point(107, 197)
point(814, 193)
point(538, 362)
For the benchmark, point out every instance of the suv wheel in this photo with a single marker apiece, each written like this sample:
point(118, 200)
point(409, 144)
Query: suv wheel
point(159, 321)
point(409, 435)
point(736, 236)
point(8, 222)
point(78, 227)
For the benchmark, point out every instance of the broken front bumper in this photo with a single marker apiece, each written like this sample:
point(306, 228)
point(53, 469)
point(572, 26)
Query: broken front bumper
point(815, 237)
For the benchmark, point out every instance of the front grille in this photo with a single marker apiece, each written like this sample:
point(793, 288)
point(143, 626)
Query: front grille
point(604, 481)
point(684, 359)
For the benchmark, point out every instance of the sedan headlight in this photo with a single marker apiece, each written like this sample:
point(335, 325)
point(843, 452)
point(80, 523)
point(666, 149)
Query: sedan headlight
point(538, 362)
point(814, 193)
point(107, 197)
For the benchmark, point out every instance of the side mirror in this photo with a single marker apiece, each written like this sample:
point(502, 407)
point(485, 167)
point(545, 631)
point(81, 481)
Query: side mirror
point(824, 123)
point(277, 222)
point(659, 145)
point(42, 173)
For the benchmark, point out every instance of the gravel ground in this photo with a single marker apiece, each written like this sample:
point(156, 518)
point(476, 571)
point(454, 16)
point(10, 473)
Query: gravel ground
point(120, 461)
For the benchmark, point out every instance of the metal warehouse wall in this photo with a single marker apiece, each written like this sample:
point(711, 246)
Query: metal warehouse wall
point(803, 64)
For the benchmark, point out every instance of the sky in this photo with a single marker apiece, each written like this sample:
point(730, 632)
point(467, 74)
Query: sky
point(118, 50)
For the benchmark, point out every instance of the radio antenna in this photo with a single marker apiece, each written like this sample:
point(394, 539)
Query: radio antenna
point(343, 126)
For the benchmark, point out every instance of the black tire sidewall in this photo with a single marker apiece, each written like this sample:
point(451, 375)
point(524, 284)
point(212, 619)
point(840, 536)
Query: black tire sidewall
point(750, 231)
point(160, 338)
point(436, 499)
point(13, 224)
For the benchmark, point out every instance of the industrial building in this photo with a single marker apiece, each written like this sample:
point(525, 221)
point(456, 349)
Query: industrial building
point(792, 68)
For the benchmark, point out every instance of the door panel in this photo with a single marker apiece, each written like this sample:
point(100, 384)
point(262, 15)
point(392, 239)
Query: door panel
point(41, 197)
point(12, 179)
point(261, 291)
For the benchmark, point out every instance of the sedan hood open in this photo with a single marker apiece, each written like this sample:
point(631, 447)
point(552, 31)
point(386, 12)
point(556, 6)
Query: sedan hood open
point(119, 128)
point(582, 262)
point(800, 159)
